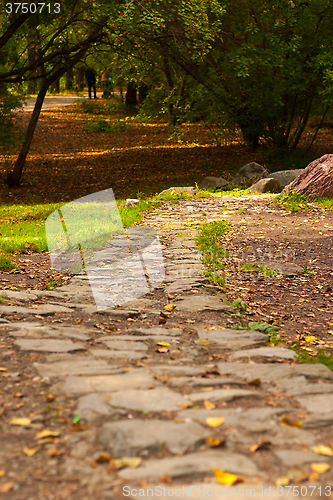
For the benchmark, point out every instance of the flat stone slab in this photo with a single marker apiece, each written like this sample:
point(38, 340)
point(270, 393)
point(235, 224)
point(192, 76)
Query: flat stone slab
point(156, 331)
point(275, 374)
point(223, 395)
point(292, 458)
point(80, 366)
point(195, 463)
point(234, 416)
point(132, 437)
point(177, 371)
point(265, 352)
point(154, 400)
point(31, 330)
point(119, 313)
point(140, 304)
point(47, 310)
point(20, 296)
point(317, 403)
point(232, 339)
point(181, 285)
point(113, 354)
point(304, 389)
point(94, 406)
point(124, 345)
point(204, 303)
point(134, 337)
point(48, 345)
point(202, 381)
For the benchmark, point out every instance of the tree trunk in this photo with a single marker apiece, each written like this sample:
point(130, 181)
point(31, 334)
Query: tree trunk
point(131, 99)
point(14, 177)
point(55, 86)
point(79, 77)
point(69, 79)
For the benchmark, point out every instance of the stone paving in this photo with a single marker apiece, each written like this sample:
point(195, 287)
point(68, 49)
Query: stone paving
point(144, 399)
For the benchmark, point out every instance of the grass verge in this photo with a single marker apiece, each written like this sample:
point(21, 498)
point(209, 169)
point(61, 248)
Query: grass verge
point(295, 202)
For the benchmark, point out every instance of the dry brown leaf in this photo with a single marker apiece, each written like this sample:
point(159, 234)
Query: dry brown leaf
point(5, 487)
point(290, 422)
point(2, 472)
point(162, 349)
point(103, 457)
point(259, 446)
point(255, 382)
point(166, 479)
point(209, 405)
point(53, 452)
point(119, 463)
point(79, 321)
point(214, 443)
point(46, 433)
point(18, 395)
point(50, 397)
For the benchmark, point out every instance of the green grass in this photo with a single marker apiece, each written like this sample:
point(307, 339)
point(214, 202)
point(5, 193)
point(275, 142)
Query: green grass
point(320, 357)
point(295, 202)
point(6, 264)
point(105, 126)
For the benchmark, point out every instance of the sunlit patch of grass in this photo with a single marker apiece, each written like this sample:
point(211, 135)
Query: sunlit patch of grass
point(296, 202)
point(6, 264)
point(319, 357)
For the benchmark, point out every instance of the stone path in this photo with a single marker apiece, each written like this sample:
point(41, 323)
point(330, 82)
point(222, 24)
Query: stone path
point(176, 399)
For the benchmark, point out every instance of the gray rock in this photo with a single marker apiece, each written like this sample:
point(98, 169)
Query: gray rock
point(48, 345)
point(201, 381)
point(47, 310)
point(140, 304)
point(187, 190)
point(265, 352)
point(211, 182)
point(183, 284)
point(303, 389)
point(314, 402)
point(20, 296)
point(177, 371)
point(232, 339)
point(153, 400)
point(249, 174)
point(134, 337)
point(113, 354)
point(266, 186)
point(277, 375)
point(223, 395)
point(285, 177)
point(156, 330)
point(79, 366)
point(318, 420)
point(204, 303)
point(132, 202)
point(124, 345)
point(94, 406)
point(133, 437)
point(134, 379)
point(48, 331)
point(188, 465)
point(292, 458)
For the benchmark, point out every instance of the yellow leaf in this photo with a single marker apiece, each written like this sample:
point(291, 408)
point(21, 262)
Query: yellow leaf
point(310, 339)
point(214, 421)
point(162, 349)
point(323, 450)
point(330, 332)
point(320, 467)
point(2, 472)
point(46, 433)
point(169, 307)
point(30, 452)
point(214, 442)
point(3, 369)
point(20, 421)
point(202, 342)
point(282, 481)
point(224, 477)
point(119, 463)
point(314, 476)
point(302, 300)
point(5, 487)
point(290, 422)
point(209, 405)
point(162, 343)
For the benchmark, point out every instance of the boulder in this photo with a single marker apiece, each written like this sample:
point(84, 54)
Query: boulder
point(190, 190)
point(248, 174)
point(266, 186)
point(285, 177)
point(212, 183)
point(132, 202)
point(316, 180)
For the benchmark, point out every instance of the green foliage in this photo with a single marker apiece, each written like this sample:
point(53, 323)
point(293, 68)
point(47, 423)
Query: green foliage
point(293, 202)
point(320, 357)
point(6, 264)
point(262, 326)
point(105, 126)
point(241, 304)
point(10, 133)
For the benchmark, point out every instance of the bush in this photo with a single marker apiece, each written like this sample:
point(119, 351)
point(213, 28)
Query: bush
point(10, 133)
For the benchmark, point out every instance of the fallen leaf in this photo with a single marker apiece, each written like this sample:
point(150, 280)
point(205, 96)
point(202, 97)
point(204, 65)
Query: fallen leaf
point(162, 349)
point(79, 321)
point(202, 342)
point(119, 463)
point(53, 452)
point(162, 320)
point(214, 443)
point(320, 467)
point(103, 457)
point(209, 388)
point(224, 477)
point(214, 421)
point(38, 316)
point(256, 382)
point(30, 452)
point(209, 405)
point(151, 386)
point(282, 481)
point(46, 433)
point(169, 307)
point(2, 472)
point(259, 446)
point(3, 369)
point(18, 395)
point(5, 487)
point(290, 422)
point(166, 479)
point(323, 450)
point(310, 339)
point(186, 405)
point(162, 343)
point(20, 421)
point(50, 397)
